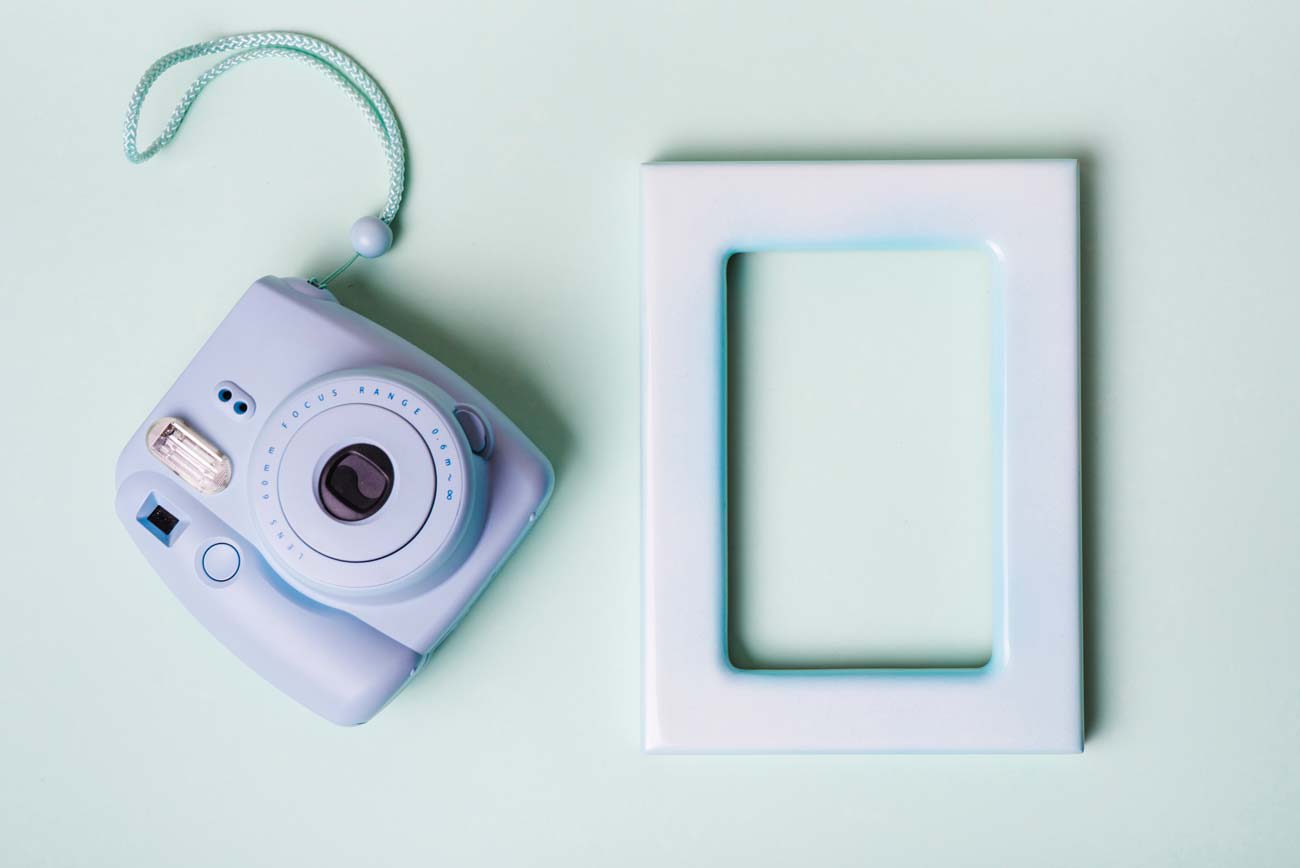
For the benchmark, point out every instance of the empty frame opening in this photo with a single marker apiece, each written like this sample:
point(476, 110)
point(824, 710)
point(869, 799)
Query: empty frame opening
point(862, 498)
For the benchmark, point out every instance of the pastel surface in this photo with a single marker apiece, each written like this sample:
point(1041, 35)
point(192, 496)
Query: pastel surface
point(879, 550)
point(130, 737)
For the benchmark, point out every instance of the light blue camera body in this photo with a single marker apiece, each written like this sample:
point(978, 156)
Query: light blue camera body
point(327, 499)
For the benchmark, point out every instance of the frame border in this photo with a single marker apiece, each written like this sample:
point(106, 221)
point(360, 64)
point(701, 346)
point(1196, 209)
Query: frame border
point(1028, 697)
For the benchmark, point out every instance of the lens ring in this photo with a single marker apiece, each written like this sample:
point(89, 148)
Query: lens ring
point(411, 421)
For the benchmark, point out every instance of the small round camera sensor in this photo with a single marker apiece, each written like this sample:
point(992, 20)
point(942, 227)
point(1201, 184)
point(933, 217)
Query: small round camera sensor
point(356, 482)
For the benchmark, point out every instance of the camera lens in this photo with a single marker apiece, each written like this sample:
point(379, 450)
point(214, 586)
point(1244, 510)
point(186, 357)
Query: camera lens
point(356, 482)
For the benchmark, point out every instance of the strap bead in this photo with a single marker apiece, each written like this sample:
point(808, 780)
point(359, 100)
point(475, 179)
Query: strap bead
point(371, 237)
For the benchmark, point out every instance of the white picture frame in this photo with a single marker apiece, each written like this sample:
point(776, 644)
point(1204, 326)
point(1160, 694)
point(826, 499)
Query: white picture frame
point(1028, 697)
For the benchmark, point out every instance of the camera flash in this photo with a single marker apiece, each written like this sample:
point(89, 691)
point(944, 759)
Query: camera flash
point(187, 454)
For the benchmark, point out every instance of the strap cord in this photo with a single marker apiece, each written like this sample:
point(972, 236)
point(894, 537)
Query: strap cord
point(341, 68)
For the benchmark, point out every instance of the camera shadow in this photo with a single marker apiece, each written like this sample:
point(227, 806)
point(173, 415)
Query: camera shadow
point(1092, 449)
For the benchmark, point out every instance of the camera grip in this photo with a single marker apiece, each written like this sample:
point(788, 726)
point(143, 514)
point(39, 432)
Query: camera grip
point(328, 660)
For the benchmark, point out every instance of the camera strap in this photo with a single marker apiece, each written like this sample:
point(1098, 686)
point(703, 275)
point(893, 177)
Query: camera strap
point(370, 236)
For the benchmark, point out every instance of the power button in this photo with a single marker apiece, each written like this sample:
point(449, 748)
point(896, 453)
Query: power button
point(221, 562)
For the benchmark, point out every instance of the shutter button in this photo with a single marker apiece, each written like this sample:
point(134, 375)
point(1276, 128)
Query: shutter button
point(476, 430)
point(221, 562)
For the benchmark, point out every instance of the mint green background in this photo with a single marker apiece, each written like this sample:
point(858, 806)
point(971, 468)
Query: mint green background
point(129, 737)
point(861, 464)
